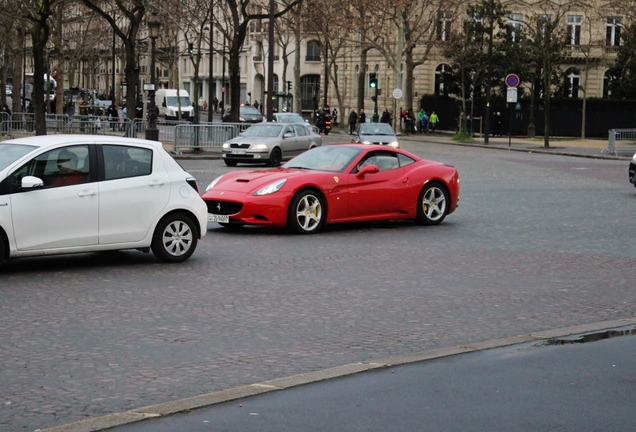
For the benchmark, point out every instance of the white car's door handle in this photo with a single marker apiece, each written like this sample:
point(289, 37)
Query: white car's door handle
point(87, 192)
point(156, 182)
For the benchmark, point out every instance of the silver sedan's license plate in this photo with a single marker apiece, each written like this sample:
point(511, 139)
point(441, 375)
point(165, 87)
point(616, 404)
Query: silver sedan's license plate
point(238, 152)
point(218, 218)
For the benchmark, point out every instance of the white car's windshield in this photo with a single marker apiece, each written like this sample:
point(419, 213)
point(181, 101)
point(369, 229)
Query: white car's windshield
point(376, 129)
point(262, 131)
point(10, 153)
point(172, 101)
point(327, 158)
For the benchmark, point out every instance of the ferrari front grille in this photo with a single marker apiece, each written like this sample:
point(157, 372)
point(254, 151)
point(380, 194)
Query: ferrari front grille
point(223, 207)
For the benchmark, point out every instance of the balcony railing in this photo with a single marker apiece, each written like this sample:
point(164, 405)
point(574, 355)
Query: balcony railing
point(312, 58)
point(612, 49)
point(257, 59)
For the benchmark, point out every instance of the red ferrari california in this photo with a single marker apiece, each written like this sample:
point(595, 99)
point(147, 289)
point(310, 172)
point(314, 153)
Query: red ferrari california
point(336, 184)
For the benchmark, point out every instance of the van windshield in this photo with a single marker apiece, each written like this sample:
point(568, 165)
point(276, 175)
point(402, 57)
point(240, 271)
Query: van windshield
point(172, 101)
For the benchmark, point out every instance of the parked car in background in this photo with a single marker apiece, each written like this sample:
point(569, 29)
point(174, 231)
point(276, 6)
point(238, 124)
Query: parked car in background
point(72, 193)
point(247, 114)
point(632, 171)
point(375, 133)
point(336, 184)
point(269, 143)
point(289, 118)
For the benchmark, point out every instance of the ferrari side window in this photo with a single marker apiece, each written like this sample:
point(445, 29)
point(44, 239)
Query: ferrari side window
point(404, 160)
point(387, 162)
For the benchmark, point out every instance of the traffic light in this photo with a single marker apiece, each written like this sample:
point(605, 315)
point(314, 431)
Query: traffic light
point(191, 48)
point(373, 80)
point(289, 86)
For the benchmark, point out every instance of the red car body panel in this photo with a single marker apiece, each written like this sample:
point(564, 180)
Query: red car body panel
point(349, 197)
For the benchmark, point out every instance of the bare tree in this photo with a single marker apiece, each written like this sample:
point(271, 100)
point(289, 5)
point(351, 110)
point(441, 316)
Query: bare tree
point(233, 19)
point(125, 24)
point(38, 14)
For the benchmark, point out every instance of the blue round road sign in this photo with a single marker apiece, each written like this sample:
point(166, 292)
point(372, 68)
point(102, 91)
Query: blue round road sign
point(512, 80)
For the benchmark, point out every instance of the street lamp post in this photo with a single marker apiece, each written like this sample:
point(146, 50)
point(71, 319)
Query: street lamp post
point(152, 133)
point(533, 66)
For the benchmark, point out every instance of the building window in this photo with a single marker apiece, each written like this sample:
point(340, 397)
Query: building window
point(313, 51)
point(440, 74)
point(574, 29)
point(309, 92)
point(544, 22)
point(443, 26)
point(613, 31)
point(572, 81)
point(355, 81)
point(275, 83)
point(607, 85)
point(514, 23)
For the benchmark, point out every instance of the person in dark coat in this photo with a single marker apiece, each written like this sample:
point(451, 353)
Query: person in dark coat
point(353, 119)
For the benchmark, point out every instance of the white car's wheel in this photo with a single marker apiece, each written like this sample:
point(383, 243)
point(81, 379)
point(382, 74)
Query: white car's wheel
point(432, 204)
point(306, 213)
point(175, 238)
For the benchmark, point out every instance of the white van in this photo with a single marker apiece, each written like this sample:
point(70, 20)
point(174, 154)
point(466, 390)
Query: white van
point(166, 100)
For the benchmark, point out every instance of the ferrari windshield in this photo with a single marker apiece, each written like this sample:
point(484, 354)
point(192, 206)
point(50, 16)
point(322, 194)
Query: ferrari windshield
point(376, 129)
point(327, 158)
point(261, 130)
point(10, 153)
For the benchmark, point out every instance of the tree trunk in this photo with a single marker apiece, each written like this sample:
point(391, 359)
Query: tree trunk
point(362, 76)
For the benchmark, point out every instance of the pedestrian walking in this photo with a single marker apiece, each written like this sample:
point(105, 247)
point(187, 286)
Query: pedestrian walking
point(386, 117)
point(433, 121)
point(362, 118)
point(353, 119)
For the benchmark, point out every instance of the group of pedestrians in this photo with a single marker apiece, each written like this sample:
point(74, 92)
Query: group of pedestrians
point(418, 123)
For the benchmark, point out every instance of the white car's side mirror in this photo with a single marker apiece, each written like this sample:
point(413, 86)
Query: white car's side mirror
point(30, 182)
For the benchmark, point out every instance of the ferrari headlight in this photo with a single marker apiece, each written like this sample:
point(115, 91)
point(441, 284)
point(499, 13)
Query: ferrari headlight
point(258, 147)
point(394, 144)
point(214, 182)
point(226, 146)
point(271, 188)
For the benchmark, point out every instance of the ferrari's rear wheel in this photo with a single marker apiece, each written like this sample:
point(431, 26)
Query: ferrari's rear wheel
point(230, 162)
point(275, 158)
point(432, 204)
point(306, 213)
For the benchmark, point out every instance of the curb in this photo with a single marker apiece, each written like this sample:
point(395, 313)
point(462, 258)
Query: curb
point(204, 400)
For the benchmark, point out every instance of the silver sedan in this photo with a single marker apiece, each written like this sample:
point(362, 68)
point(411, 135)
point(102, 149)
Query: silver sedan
point(270, 143)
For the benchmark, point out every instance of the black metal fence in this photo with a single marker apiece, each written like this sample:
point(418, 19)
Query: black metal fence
point(565, 115)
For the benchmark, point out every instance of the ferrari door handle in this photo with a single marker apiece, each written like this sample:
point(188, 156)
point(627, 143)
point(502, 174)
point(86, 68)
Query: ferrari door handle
point(156, 182)
point(87, 192)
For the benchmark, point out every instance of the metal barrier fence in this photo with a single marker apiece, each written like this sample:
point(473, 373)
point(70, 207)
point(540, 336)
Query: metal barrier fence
point(183, 134)
point(622, 142)
point(203, 136)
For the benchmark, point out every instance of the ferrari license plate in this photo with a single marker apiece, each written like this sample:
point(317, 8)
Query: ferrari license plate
point(238, 151)
point(218, 218)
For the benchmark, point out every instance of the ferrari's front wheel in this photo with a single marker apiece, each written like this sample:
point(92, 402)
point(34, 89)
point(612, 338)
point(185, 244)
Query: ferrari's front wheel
point(306, 212)
point(432, 204)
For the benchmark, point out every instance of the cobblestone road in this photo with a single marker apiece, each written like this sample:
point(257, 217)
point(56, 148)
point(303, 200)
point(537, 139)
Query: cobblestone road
point(538, 242)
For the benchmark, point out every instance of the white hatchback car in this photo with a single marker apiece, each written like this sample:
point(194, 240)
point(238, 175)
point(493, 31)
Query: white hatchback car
point(75, 193)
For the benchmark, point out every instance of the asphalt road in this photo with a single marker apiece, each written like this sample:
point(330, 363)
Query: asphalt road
point(538, 242)
point(523, 388)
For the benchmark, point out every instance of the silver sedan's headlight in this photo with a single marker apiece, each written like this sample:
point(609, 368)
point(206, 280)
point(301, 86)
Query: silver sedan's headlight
point(271, 188)
point(366, 142)
point(226, 145)
point(258, 147)
point(394, 144)
point(214, 182)
point(634, 158)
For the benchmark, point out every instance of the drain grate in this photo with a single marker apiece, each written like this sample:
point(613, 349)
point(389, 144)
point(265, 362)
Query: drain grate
point(590, 337)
